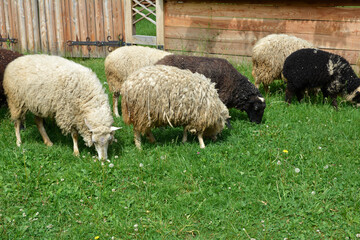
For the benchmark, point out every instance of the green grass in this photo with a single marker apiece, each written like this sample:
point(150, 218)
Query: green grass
point(242, 186)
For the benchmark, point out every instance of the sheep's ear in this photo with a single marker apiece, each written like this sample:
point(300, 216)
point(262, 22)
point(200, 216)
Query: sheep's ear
point(113, 129)
point(88, 125)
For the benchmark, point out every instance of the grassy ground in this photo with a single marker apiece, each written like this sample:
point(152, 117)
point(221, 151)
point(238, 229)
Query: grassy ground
point(294, 176)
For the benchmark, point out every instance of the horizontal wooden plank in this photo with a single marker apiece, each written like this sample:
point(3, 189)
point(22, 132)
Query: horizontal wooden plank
point(231, 48)
point(267, 25)
point(277, 2)
point(262, 11)
point(249, 38)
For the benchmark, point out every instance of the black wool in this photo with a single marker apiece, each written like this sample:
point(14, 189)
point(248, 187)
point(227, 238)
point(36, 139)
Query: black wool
point(234, 89)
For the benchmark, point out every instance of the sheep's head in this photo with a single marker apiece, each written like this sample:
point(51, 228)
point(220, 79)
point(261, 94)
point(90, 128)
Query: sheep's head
point(255, 108)
point(101, 137)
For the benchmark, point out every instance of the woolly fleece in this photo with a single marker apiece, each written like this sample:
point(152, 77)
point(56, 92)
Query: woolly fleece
point(234, 89)
point(163, 95)
point(6, 56)
point(314, 68)
point(120, 63)
point(269, 54)
point(51, 86)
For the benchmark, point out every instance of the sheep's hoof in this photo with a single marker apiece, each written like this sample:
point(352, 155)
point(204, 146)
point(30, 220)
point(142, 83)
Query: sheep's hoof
point(49, 144)
point(18, 143)
point(76, 153)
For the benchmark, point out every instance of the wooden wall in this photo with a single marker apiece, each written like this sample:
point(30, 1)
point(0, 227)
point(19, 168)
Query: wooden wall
point(46, 25)
point(231, 28)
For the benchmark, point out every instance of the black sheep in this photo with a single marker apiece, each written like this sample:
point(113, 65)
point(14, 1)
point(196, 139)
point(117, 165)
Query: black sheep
point(6, 56)
point(234, 89)
point(313, 68)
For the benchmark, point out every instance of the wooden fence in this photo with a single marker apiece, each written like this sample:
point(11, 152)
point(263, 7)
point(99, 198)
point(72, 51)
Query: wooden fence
point(46, 25)
point(230, 28)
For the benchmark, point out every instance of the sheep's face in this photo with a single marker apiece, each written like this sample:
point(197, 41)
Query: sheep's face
point(255, 108)
point(101, 137)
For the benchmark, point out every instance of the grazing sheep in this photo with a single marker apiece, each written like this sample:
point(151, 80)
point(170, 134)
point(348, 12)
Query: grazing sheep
point(51, 86)
point(269, 54)
point(314, 68)
point(163, 95)
point(6, 56)
point(234, 89)
point(120, 63)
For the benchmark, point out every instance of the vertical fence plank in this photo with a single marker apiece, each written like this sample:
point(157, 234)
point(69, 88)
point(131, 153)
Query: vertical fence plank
point(75, 28)
point(99, 27)
point(160, 22)
point(59, 27)
point(22, 25)
point(129, 28)
point(35, 23)
point(91, 25)
point(2, 19)
point(29, 27)
point(43, 27)
point(83, 25)
point(13, 23)
point(66, 15)
point(51, 31)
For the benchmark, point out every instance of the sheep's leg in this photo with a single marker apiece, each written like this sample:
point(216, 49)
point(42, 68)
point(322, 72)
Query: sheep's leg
point(75, 138)
point(116, 96)
point(334, 102)
point(137, 138)
point(17, 132)
point(300, 95)
point(201, 140)
point(150, 136)
point(288, 96)
point(185, 134)
point(266, 88)
point(40, 125)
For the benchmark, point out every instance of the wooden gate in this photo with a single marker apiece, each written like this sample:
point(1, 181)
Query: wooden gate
point(146, 9)
point(46, 25)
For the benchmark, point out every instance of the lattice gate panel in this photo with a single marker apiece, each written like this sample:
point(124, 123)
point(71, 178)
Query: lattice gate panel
point(148, 10)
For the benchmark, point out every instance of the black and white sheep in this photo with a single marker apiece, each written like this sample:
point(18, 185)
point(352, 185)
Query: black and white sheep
point(6, 56)
point(120, 63)
point(52, 86)
point(313, 68)
point(160, 95)
point(234, 89)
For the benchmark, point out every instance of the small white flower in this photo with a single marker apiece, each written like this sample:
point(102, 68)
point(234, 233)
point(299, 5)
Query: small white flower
point(94, 160)
point(136, 226)
point(358, 235)
point(184, 171)
point(37, 213)
point(62, 179)
point(313, 193)
point(24, 214)
point(116, 156)
point(83, 156)
point(108, 160)
point(102, 163)
point(113, 190)
point(229, 188)
point(135, 229)
point(115, 140)
point(297, 170)
point(141, 165)
point(326, 166)
point(93, 157)
point(111, 165)
point(278, 162)
point(162, 157)
point(49, 226)
point(319, 147)
point(21, 210)
point(81, 200)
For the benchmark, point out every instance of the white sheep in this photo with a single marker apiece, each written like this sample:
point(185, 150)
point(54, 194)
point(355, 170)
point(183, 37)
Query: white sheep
point(51, 86)
point(164, 95)
point(120, 63)
point(269, 54)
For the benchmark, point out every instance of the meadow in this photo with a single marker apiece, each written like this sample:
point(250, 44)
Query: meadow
point(295, 176)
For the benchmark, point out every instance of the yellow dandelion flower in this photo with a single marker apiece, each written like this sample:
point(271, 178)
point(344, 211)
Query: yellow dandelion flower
point(285, 151)
point(97, 237)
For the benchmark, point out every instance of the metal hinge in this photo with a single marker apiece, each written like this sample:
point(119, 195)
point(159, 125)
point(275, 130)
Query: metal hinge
point(89, 43)
point(7, 40)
